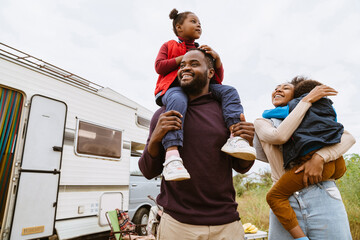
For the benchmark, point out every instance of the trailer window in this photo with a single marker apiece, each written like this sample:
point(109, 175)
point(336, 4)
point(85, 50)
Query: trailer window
point(142, 121)
point(97, 140)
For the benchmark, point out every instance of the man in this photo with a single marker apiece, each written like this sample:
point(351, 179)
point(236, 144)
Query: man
point(204, 206)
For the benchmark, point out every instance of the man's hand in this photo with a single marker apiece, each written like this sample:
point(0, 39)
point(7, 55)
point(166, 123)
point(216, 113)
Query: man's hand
point(244, 129)
point(167, 121)
point(312, 170)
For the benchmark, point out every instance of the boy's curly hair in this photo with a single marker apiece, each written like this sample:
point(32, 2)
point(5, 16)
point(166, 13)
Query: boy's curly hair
point(303, 85)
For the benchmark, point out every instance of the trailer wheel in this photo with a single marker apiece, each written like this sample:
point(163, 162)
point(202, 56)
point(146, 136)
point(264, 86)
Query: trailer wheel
point(141, 217)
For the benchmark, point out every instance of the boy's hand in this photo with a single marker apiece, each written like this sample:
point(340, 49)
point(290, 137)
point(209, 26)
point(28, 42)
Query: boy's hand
point(214, 54)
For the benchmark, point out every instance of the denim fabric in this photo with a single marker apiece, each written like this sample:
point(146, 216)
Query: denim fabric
point(175, 99)
point(230, 102)
point(320, 212)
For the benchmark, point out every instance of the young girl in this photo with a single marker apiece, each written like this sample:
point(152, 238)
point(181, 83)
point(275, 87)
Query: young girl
point(318, 128)
point(168, 92)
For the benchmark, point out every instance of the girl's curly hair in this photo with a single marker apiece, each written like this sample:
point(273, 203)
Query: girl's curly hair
point(178, 18)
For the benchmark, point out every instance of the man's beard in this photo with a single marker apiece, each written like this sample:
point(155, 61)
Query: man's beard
point(196, 86)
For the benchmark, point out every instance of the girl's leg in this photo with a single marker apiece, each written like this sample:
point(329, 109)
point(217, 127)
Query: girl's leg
point(232, 108)
point(230, 102)
point(175, 99)
point(289, 183)
point(174, 170)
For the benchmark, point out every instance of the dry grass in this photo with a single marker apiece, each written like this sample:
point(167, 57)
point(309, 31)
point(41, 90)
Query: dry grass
point(254, 209)
point(355, 230)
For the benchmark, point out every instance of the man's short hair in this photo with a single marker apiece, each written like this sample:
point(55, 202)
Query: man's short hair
point(210, 61)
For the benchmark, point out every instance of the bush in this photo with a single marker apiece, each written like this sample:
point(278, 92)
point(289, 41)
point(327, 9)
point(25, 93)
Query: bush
point(251, 194)
point(349, 186)
point(243, 182)
point(253, 208)
point(238, 184)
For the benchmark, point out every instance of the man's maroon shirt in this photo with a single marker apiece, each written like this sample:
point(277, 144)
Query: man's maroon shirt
point(208, 198)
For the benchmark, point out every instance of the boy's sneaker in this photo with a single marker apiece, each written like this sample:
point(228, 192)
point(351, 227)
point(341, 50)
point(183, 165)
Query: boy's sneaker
point(239, 148)
point(174, 169)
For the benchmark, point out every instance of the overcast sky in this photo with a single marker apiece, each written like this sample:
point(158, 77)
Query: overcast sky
point(261, 43)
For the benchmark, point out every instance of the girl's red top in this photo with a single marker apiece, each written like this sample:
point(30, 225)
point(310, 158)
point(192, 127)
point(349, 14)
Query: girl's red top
point(166, 67)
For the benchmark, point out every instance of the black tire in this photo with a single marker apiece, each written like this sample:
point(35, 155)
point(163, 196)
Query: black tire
point(141, 217)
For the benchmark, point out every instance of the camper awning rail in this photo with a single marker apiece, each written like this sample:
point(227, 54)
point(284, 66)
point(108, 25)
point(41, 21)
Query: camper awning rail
point(27, 59)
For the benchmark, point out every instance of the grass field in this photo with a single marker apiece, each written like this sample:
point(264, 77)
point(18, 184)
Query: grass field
point(254, 209)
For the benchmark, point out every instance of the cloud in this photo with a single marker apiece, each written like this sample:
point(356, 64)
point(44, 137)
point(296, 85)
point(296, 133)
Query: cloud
point(261, 43)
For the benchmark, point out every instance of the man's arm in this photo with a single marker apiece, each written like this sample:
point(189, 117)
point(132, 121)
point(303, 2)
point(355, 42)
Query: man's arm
point(153, 156)
point(241, 166)
point(245, 130)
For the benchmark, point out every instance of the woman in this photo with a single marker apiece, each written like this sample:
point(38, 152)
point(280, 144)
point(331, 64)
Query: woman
point(311, 204)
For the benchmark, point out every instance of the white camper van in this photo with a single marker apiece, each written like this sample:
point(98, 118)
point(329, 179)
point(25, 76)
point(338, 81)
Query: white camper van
point(66, 145)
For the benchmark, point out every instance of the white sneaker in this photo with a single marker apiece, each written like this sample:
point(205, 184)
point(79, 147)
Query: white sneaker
point(174, 169)
point(239, 148)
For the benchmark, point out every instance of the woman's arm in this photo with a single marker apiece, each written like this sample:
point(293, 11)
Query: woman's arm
point(314, 167)
point(283, 132)
point(280, 135)
point(333, 152)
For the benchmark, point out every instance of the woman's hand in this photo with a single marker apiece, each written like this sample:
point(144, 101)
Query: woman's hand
point(312, 170)
point(319, 92)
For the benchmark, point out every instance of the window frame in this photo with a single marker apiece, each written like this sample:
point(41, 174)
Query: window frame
point(137, 122)
point(78, 120)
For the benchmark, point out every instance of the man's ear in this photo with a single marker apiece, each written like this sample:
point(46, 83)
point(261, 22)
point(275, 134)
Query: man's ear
point(211, 73)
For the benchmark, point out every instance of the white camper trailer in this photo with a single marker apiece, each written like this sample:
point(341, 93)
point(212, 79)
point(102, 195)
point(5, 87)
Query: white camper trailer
point(66, 145)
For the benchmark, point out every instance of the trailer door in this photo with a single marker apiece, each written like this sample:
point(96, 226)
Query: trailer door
point(35, 206)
